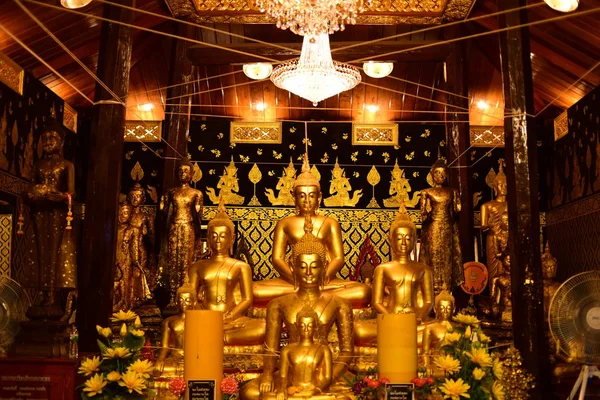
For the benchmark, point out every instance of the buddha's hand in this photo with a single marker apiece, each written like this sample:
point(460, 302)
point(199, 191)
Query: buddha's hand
point(282, 395)
point(227, 318)
point(266, 383)
point(56, 197)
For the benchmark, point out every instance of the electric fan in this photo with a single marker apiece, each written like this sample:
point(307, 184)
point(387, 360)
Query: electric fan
point(574, 319)
point(14, 302)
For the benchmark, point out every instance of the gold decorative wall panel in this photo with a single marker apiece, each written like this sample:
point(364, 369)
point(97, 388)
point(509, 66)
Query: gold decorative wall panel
point(11, 184)
point(11, 74)
point(70, 118)
point(561, 126)
point(5, 243)
point(255, 132)
point(374, 134)
point(146, 131)
point(487, 136)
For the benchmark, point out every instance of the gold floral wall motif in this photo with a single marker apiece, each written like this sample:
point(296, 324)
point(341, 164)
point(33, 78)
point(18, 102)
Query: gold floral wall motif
point(561, 125)
point(375, 134)
point(5, 244)
point(11, 74)
point(146, 131)
point(487, 136)
point(255, 132)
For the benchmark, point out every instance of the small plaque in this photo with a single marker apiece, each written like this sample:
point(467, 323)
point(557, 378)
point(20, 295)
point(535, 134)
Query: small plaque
point(201, 390)
point(399, 391)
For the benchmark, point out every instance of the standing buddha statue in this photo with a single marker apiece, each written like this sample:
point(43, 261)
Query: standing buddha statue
point(396, 283)
point(308, 260)
point(50, 192)
point(326, 230)
point(216, 280)
point(501, 291)
point(491, 215)
point(142, 232)
point(440, 246)
point(182, 206)
point(549, 266)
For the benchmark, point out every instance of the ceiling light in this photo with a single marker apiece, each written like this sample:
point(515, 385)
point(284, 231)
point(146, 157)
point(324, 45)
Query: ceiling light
point(482, 105)
point(563, 5)
point(74, 3)
point(315, 76)
point(258, 70)
point(145, 107)
point(377, 69)
point(260, 106)
point(372, 108)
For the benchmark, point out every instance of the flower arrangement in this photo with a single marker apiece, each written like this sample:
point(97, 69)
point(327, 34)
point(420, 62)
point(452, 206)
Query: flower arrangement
point(229, 388)
point(367, 386)
point(470, 371)
point(120, 372)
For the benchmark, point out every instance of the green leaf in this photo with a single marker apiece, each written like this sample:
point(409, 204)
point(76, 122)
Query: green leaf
point(102, 346)
point(133, 343)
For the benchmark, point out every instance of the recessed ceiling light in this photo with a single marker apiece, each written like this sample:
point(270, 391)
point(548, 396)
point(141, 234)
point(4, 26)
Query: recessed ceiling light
point(377, 69)
point(260, 106)
point(372, 108)
point(258, 70)
point(563, 5)
point(74, 3)
point(482, 105)
point(145, 107)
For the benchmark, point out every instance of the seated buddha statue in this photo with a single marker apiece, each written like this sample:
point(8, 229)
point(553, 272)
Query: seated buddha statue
point(216, 279)
point(432, 333)
point(307, 197)
point(402, 278)
point(170, 357)
point(309, 270)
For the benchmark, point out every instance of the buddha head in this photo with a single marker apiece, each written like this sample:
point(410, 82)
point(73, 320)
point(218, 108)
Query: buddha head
point(306, 191)
point(308, 261)
point(306, 322)
point(137, 195)
point(505, 260)
point(438, 172)
point(403, 234)
point(186, 298)
point(500, 183)
point(124, 213)
point(549, 263)
point(444, 305)
point(184, 171)
point(53, 137)
point(220, 231)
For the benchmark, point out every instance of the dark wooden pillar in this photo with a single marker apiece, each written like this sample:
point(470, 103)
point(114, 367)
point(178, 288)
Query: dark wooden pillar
point(523, 204)
point(458, 139)
point(97, 255)
point(177, 124)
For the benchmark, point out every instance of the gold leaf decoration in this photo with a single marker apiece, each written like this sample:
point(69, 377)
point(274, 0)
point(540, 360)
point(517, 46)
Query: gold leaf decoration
point(196, 173)
point(373, 177)
point(315, 172)
point(137, 173)
point(255, 175)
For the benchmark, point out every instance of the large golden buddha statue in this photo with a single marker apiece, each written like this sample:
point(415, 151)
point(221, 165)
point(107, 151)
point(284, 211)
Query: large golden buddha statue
point(216, 279)
point(434, 332)
point(51, 189)
point(396, 283)
point(440, 246)
point(491, 221)
point(326, 230)
point(309, 270)
point(183, 208)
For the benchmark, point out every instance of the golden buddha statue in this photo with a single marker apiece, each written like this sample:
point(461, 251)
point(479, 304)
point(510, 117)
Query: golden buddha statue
point(549, 266)
point(289, 231)
point(285, 186)
point(396, 283)
point(183, 208)
point(491, 214)
point(309, 268)
point(433, 332)
point(501, 291)
point(142, 232)
point(215, 280)
point(340, 189)
point(440, 246)
point(49, 194)
point(170, 357)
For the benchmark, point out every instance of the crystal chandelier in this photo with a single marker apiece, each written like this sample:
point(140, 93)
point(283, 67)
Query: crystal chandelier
point(313, 17)
point(315, 76)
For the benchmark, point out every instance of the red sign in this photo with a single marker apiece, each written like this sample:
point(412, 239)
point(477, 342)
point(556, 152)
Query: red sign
point(37, 378)
point(476, 277)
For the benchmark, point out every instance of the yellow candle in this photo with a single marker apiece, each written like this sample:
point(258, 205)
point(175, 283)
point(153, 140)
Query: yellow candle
point(203, 347)
point(397, 347)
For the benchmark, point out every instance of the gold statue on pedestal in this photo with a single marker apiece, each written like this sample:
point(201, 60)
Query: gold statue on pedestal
point(440, 246)
point(183, 207)
point(501, 291)
point(396, 283)
point(170, 358)
point(142, 232)
point(227, 185)
point(216, 279)
point(289, 231)
point(549, 266)
point(434, 332)
point(340, 190)
point(491, 215)
point(308, 265)
point(285, 186)
point(49, 197)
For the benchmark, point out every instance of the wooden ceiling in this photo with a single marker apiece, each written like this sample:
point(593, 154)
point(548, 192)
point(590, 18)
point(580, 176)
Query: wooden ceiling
point(562, 52)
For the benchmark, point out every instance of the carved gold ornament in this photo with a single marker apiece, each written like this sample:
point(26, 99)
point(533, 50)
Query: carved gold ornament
point(487, 136)
point(374, 134)
point(340, 189)
point(255, 176)
point(11, 74)
point(561, 126)
point(70, 118)
point(255, 132)
point(373, 178)
point(228, 187)
point(145, 131)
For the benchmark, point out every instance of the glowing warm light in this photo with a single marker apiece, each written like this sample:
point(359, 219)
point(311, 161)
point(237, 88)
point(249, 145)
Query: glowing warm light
point(145, 107)
point(482, 105)
point(563, 5)
point(74, 3)
point(372, 108)
point(258, 70)
point(376, 69)
point(260, 106)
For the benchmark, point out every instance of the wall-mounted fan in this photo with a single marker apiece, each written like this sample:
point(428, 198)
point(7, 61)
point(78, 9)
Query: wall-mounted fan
point(14, 302)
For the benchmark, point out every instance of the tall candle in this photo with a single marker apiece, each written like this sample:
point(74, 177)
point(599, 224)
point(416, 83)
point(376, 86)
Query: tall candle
point(397, 347)
point(203, 347)
point(476, 247)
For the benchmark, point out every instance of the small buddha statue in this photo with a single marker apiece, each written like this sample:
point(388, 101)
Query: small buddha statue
point(170, 358)
point(549, 266)
point(433, 332)
point(51, 190)
point(308, 261)
point(182, 206)
point(326, 230)
point(440, 246)
point(142, 232)
point(491, 216)
point(501, 291)
point(397, 283)
point(216, 279)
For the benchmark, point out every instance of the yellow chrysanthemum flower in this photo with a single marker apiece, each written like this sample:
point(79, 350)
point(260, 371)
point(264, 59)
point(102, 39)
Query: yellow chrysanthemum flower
point(447, 363)
point(497, 368)
point(94, 385)
point(123, 316)
point(113, 376)
point(468, 332)
point(138, 322)
point(137, 332)
point(498, 391)
point(106, 332)
point(478, 374)
point(455, 389)
point(483, 338)
point(466, 319)
point(123, 331)
point(452, 337)
point(132, 381)
point(89, 366)
point(141, 367)
point(480, 357)
point(119, 352)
